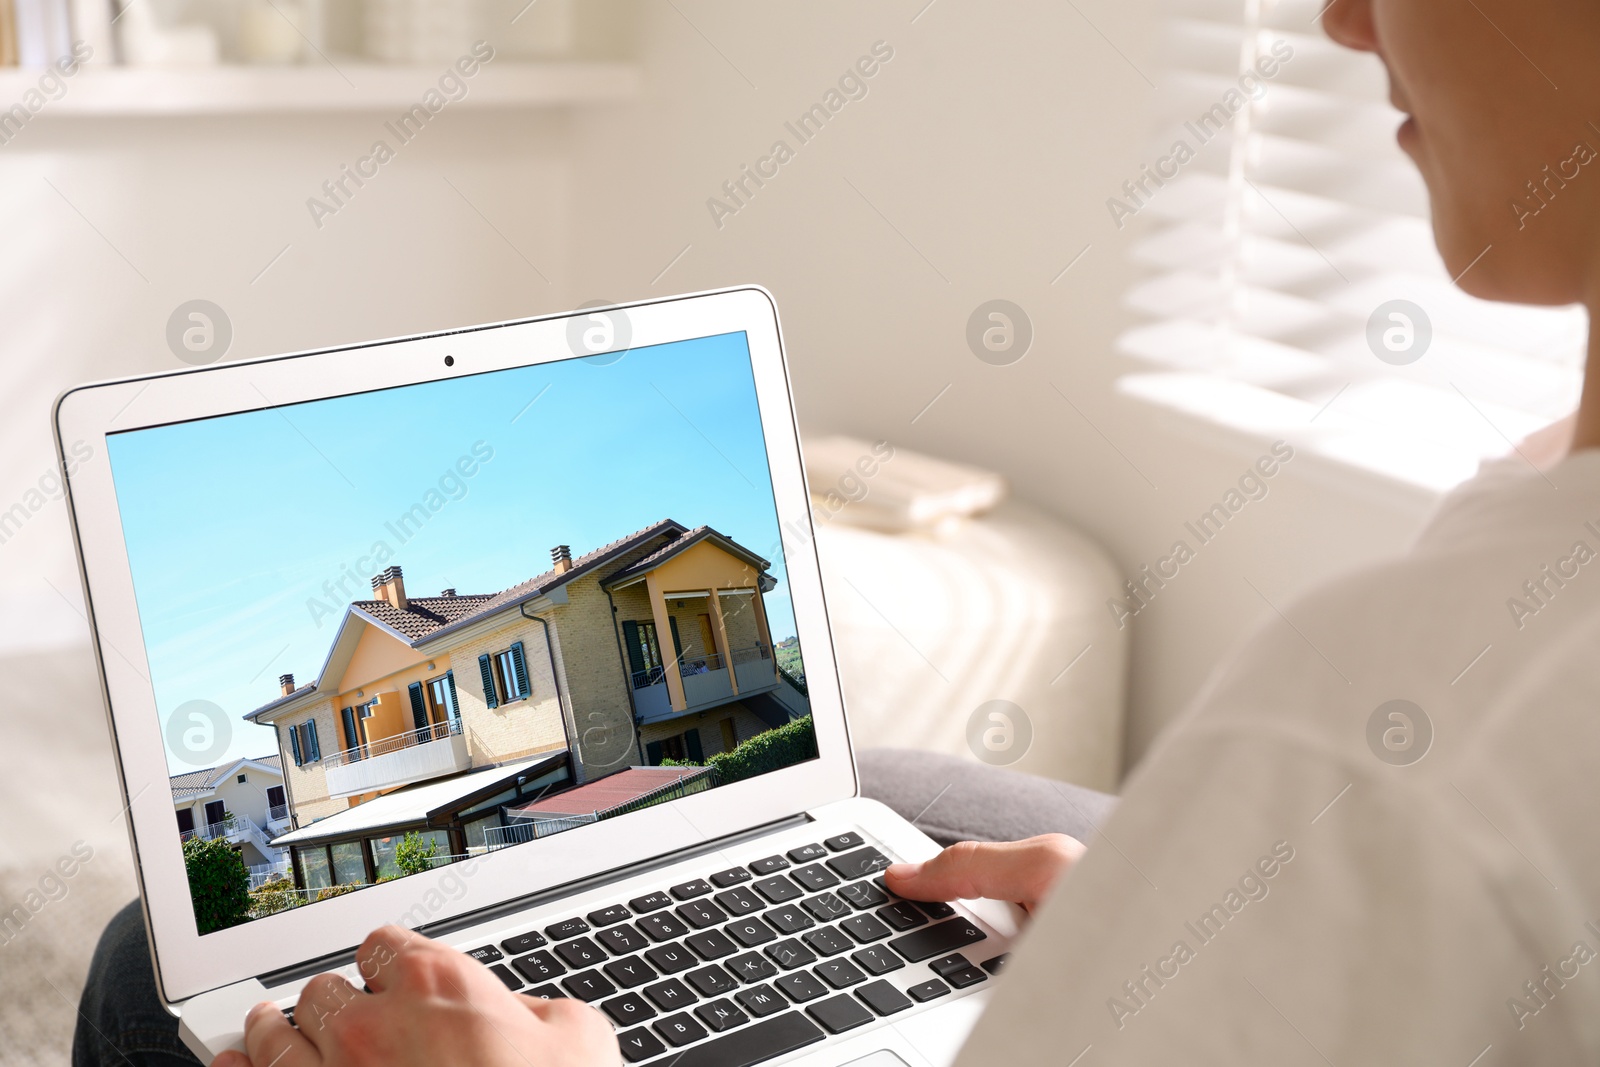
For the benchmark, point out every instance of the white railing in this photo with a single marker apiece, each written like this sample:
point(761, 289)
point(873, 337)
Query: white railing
point(278, 813)
point(393, 743)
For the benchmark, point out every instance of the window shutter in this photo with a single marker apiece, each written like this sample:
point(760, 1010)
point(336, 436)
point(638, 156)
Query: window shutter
point(294, 745)
point(691, 741)
point(450, 684)
point(311, 737)
point(351, 738)
point(652, 753)
point(677, 645)
point(486, 669)
point(419, 708)
point(519, 666)
point(1268, 254)
point(630, 642)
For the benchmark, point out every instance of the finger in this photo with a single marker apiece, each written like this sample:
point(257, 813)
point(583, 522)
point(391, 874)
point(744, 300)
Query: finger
point(231, 1058)
point(271, 1039)
point(1018, 871)
point(379, 951)
point(322, 1002)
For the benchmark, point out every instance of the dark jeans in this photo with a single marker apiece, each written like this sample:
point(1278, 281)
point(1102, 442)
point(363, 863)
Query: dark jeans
point(121, 1022)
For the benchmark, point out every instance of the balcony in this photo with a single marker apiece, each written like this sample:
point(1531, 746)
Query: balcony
point(706, 683)
point(385, 763)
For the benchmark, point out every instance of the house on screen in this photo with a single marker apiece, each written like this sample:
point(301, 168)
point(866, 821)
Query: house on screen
point(439, 715)
point(242, 802)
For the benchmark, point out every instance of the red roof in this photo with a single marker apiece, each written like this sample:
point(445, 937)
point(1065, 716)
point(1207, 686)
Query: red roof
point(609, 792)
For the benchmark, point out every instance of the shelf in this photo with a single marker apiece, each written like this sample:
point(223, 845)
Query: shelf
point(353, 87)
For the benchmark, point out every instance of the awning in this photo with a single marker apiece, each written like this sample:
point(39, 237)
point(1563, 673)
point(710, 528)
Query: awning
point(600, 797)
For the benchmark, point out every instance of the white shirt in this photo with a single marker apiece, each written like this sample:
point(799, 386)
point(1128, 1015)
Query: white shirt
point(1361, 911)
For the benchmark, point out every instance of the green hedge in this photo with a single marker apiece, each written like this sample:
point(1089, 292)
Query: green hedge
point(787, 745)
point(219, 885)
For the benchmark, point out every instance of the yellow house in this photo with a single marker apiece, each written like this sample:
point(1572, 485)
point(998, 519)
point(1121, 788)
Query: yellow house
point(453, 709)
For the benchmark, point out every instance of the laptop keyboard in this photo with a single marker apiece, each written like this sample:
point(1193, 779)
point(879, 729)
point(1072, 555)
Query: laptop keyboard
point(750, 963)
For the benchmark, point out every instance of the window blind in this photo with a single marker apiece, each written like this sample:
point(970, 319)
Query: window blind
point(1267, 255)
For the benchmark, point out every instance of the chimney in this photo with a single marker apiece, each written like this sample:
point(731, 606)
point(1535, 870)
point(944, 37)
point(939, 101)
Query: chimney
point(390, 587)
point(286, 683)
point(448, 592)
point(562, 555)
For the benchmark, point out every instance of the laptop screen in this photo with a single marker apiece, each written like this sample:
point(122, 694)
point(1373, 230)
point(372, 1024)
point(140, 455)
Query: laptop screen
point(407, 628)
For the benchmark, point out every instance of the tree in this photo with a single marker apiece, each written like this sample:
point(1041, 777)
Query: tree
point(412, 856)
point(219, 884)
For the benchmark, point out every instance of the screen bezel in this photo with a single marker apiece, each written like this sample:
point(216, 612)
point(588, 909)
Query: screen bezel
point(188, 963)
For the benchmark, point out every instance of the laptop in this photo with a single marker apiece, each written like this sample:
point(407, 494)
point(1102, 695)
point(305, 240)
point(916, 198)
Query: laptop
point(513, 635)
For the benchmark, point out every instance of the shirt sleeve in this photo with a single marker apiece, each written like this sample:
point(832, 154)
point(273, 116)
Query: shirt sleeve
point(1256, 899)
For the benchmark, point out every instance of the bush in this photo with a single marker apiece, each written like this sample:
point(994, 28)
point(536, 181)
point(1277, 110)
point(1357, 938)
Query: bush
point(273, 896)
point(787, 745)
point(340, 890)
point(219, 884)
point(412, 856)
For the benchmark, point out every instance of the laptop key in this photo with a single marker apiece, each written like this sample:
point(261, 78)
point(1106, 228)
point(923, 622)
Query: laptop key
point(929, 990)
point(790, 954)
point(876, 960)
point(801, 986)
point(739, 901)
point(865, 928)
point(662, 927)
point(649, 902)
point(699, 887)
point(749, 1045)
point(965, 977)
point(538, 967)
point(545, 992)
point(828, 941)
point(807, 853)
point(859, 864)
point(609, 916)
point(516, 946)
point(628, 1009)
point(711, 981)
point(826, 906)
point(936, 940)
point(621, 940)
point(815, 877)
point(839, 973)
point(502, 972)
point(936, 909)
point(768, 865)
point(902, 916)
point(721, 1015)
point(670, 959)
point(760, 1001)
point(563, 930)
point(701, 914)
point(948, 964)
point(680, 1029)
point(844, 842)
point(863, 895)
point(485, 954)
point(998, 964)
point(840, 1013)
point(670, 995)
point(789, 919)
point(732, 876)
point(588, 986)
point(580, 953)
point(712, 944)
point(629, 972)
point(639, 1045)
point(750, 967)
point(778, 889)
point(750, 932)
point(883, 998)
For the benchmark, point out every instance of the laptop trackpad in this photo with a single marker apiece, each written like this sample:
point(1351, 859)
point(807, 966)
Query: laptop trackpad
point(883, 1058)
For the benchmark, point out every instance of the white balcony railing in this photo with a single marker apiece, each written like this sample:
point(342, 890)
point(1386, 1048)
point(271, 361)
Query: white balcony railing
point(430, 753)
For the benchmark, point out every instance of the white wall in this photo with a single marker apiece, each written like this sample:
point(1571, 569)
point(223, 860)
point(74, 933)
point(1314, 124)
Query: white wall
point(977, 167)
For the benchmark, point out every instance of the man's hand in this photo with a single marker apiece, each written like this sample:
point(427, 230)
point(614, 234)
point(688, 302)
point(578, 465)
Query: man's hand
point(1021, 872)
point(430, 1005)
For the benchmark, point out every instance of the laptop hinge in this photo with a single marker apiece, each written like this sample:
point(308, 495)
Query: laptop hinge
point(544, 896)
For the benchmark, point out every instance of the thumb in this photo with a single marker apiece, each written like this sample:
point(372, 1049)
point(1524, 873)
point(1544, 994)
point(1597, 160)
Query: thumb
point(1021, 872)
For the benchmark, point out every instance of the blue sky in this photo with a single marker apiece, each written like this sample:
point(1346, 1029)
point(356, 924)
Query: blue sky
point(236, 525)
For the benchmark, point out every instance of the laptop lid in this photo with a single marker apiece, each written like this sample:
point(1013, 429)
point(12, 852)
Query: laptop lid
point(444, 621)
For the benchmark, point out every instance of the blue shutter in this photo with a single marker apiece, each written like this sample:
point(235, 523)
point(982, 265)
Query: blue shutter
point(311, 736)
point(352, 740)
point(677, 644)
point(294, 745)
point(487, 671)
point(419, 708)
point(519, 666)
point(630, 642)
point(455, 707)
point(652, 753)
point(691, 741)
